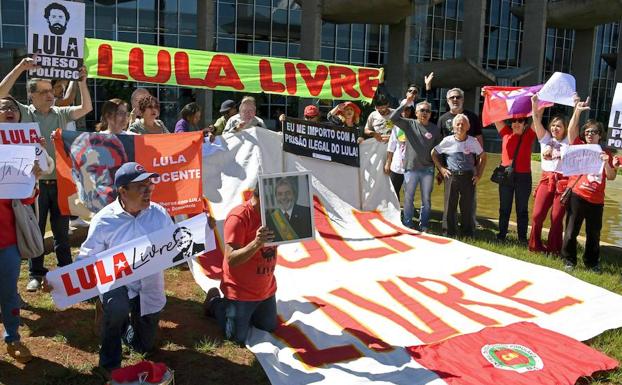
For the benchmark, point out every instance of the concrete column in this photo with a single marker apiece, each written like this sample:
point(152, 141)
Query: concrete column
point(206, 20)
point(534, 40)
point(310, 38)
point(583, 60)
point(396, 74)
point(619, 60)
point(473, 43)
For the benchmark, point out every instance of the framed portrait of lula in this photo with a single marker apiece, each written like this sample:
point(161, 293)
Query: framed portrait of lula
point(287, 206)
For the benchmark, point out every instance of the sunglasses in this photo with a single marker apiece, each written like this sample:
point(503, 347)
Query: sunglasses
point(425, 111)
point(456, 97)
point(592, 132)
point(412, 90)
point(510, 121)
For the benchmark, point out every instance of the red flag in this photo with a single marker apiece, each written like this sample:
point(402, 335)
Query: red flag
point(519, 354)
point(503, 103)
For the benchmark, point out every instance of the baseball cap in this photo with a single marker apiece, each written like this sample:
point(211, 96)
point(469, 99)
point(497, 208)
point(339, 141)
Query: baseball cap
point(311, 111)
point(131, 172)
point(227, 105)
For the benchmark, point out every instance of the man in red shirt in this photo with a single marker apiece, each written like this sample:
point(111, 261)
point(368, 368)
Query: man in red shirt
point(248, 282)
point(587, 199)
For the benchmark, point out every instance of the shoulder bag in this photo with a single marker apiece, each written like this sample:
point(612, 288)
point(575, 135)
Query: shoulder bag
point(565, 197)
point(29, 239)
point(504, 175)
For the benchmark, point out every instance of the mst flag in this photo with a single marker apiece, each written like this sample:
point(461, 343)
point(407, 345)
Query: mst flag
point(508, 102)
point(519, 354)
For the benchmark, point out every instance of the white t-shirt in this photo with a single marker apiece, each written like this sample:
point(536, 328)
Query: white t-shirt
point(378, 123)
point(548, 141)
point(459, 153)
point(398, 148)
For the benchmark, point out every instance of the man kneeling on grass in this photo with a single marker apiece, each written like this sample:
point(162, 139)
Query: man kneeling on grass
point(130, 313)
point(248, 282)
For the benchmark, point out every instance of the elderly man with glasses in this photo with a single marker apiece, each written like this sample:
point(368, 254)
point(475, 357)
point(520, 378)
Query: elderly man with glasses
point(49, 117)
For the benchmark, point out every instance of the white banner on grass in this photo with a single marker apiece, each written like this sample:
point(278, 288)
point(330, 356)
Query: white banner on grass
point(130, 261)
point(351, 299)
point(16, 178)
point(560, 89)
point(614, 139)
point(582, 159)
point(25, 134)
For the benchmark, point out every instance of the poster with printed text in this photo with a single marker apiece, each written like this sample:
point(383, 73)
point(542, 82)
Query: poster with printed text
point(86, 164)
point(56, 36)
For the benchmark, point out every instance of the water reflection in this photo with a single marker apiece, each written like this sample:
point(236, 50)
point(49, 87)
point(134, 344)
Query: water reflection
point(488, 201)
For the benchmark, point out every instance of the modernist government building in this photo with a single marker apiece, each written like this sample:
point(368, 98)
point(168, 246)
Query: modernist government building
point(467, 43)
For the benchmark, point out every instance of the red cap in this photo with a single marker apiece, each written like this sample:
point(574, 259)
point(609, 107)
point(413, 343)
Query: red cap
point(311, 111)
point(357, 110)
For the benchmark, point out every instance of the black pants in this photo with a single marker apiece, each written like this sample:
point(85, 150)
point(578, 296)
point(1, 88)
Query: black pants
point(397, 180)
point(459, 190)
point(48, 202)
point(577, 210)
point(519, 191)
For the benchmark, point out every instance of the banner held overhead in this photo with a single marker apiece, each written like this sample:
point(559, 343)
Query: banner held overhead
point(106, 59)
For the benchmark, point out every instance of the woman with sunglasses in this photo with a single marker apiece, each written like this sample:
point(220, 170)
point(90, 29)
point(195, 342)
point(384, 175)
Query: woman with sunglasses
point(517, 138)
point(552, 183)
point(587, 198)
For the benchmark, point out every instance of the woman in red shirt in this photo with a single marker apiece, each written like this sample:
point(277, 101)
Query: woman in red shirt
point(10, 259)
point(588, 195)
point(515, 133)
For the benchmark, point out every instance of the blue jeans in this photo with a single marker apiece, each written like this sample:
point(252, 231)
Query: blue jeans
point(48, 202)
point(123, 323)
point(424, 177)
point(10, 261)
point(236, 317)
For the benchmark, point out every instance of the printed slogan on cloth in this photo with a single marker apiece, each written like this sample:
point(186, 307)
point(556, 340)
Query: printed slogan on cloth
point(106, 59)
point(351, 300)
point(87, 162)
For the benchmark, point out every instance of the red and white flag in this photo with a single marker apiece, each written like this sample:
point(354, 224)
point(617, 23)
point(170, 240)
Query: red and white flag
point(519, 354)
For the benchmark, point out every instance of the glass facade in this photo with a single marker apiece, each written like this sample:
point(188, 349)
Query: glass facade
point(272, 28)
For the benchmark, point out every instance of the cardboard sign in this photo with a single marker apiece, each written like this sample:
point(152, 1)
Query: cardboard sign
point(321, 141)
point(25, 134)
point(87, 162)
point(614, 138)
point(56, 35)
point(106, 59)
point(560, 89)
point(124, 264)
point(286, 202)
point(581, 159)
point(16, 179)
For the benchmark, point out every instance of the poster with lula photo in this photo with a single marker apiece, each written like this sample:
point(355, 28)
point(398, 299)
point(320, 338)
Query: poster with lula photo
point(286, 206)
point(56, 36)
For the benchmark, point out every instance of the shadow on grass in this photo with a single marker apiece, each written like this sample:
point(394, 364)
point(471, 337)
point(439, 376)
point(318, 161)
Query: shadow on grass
point(49, 373)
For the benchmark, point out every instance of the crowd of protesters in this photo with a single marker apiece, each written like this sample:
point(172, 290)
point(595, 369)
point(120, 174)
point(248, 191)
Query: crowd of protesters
point(418, 147)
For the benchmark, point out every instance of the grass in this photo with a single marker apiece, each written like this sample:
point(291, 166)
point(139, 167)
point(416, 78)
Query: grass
point(67, 346)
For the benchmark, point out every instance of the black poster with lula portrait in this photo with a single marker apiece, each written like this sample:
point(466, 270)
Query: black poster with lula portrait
point(56, 36)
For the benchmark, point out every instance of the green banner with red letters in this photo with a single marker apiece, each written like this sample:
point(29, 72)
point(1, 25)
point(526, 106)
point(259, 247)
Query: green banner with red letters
point(106, 59)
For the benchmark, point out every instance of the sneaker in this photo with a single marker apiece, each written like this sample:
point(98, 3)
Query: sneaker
point(78, 222)
point(34, 284)
point(596, 269)
point(478, 226)
point(19, 352)
point(569, 267)
point(212, 294)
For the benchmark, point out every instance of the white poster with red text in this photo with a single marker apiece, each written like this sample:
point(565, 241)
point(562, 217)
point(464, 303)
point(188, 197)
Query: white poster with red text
point(366, 287)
